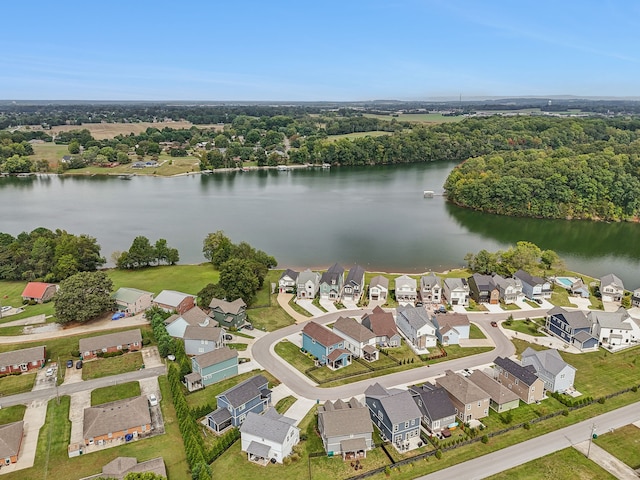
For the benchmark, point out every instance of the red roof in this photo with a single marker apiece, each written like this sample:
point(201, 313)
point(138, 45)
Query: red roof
point(320, 334)
point(35, 289)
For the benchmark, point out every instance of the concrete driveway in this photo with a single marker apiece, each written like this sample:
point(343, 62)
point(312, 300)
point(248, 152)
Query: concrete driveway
point(72, 375)
point(42, 381)
point(79, 401)
point(310, 307)
point(328, 305)
point(151, 357)
point(34, 417)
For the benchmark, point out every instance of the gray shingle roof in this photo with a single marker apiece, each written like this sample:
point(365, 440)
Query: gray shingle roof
point(381, 281)
point(271, 426)
point(353, 329)
point(292, 274)
point(398, 404)
point(25, 355)
point(550, 359)
point(92, 344)
point(498, 392)
point(194, 316)
point(202, 333)
point(436, 403)
point(610, 319)
point(245, 391)
point(483, 282)
point(611, 279)
point(455, 283)
point(430, 280)
point(344, 418)
point(258, 449)
point(321, 334)
point(381, 323)
point(332, 275)
point(171, 298)
point(461, 388)
point(307, 276)
point(527, 278)
point(116, 416)
point(10, 438)
point(518, 371)
point(574, 318)
point(219, 355)
point(416, 316)
point(405, 280)
point(355, 275)
point(228, 307)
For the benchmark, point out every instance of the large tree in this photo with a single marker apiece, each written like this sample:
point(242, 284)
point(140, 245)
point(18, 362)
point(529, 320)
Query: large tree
point(217, 248)
point(238, 280)
point(83, 296)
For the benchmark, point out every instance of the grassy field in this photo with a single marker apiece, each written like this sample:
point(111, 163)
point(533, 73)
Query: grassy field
point(417, 117)
point(565, 464)
point(10, 292)
point(185, 278)
point(14, 384)
point(522, 326)
point(101, 131)
point(115, 392)
point(104, 367)
point(50, 152)
point(284, 403)
point(12, 414)
point(623, 443)
point(560, 297)
point(375, 133)
point(269, 318)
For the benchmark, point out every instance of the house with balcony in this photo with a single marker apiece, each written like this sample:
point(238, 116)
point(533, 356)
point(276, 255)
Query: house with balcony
point(308, 284)
point(615, 329)
point(483, 289)
point(510, 289)
point(611, 288)
point(456, 291)
point(379, 289)
point(416, 326)
point(534, 288)
point(287, 281)
point(571, 326)
point(345, 428)
point(331, 283)
point(406, 290)
point(430, 288)
point(252, 395)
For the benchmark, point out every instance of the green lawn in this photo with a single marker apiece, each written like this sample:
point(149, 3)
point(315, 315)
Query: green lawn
point(184, 278)
point(12, 414)
point(565, 464)
point(509, 306)
point(623, 443)
point(560, 297)
point(241, 347)
point(475, 333)
point(284, 403)
point(14, 384)
point(263, 296)
point(374, 133)
point(10, 294)
point(523, 326)
point(269, 318)
point(104, 367)
point(298, 308)
point(115, 392)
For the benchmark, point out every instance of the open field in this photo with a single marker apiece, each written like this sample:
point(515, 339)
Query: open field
point(522, 326)
point(14, 384)
point(184, 278)
point(104, 367)
point(50, 152)
point(101, 131)
point(349, 136)
point(115, 392)
point(567, 463)
point(417, 117)
point(623, 443)
point(12, 414)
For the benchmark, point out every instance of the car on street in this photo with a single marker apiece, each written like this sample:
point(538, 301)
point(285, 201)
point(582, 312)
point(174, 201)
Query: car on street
point(79, 364)
point(69, 363)
point(153, 400)
point(494, 324)
point(49, 372)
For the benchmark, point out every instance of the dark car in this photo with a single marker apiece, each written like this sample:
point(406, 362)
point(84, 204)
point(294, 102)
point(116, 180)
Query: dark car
point(228, 337)
point(494, 324)
point(442, 309)
point(248, 326)
point(538, 301)
point(69, 363)
point(419, 304)
point(79, 364)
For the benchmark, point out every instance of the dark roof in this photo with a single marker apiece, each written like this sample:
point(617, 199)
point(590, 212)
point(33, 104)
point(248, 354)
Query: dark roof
point(292, 274)
point(220, 415)
point(436, 403)
point(355, 275)
point(332, 275)
point(92, 344)
point(518, 371)
point(320, 334)
point(380, 322)
point(528, 278)
point(245, 391)
point(573, 318)
point(25, 355)
point(217, 356)
point(482, 282)
point(116, 416)
point(351, 328)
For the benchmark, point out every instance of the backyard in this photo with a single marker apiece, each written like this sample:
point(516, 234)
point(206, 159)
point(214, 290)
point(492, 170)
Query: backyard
point(104, 367)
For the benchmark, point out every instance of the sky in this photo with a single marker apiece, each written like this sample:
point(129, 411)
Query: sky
point(348, 50)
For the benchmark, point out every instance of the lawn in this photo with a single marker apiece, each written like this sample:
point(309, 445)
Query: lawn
point(241, 347)
point(184, 278)
point(298, 308)
point(263, 296)
point(567, 463)
point(374, 133)
point(10, 294)
point(269, 319)
point(104, 367)
point(475, 333)
point(14, 384)
point(50, 152)
point(115, 392)
point(560, 297)
point(509, 306)
point(284, 403)
point(12, 414)
point(529, 327)
point(623, 443)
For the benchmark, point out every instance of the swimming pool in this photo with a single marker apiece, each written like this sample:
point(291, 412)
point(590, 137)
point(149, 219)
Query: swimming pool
point(565, 282)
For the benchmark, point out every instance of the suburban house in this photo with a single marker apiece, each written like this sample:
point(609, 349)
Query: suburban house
point(557, 375)
point(611, 288)
point(635, 298)
point(269, 436)
point(395, 414)
point(416, 326)
point(614, 328)
point(252, 395)
point(10, 442)
point(354, 284)
point(177, 323)
point(451, 327)
point(483, 289)
point(573, 327)
point(510, 289)
point(579, 289)
point(430, 288)
point(331, 283)
point(212, 367)
point(39, 292)
point(522, 380)
point(228, 314)
point(469, 400)
point(359, 340)
point(534, 288)
point(501, 398)
point(308, 284)
point(119, 420)
point(170, 300)
point(22, 360)
point(118, 468)
point(345, 428)
point(406, 290)
point(456, 291)
point(198, 340)
point(130, 340)
point(435, 405)
point(378, 289)
point(132, 301)
point(325, 345)
point(287, 281)
point(383, 326)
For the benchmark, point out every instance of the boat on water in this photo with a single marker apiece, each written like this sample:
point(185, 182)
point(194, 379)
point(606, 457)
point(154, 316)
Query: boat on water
point(326, 165)
point(126, 176)
point(283, 168)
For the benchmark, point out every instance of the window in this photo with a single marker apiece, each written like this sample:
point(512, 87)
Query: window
point(313, 340)
point(469, 407)
point(380, 416)
point(562, 376)
point(486, 411)
point(516, 381)
point(406, 424)
point(119, 347)
point(200, 350)
point(479, 404)
point(395, 428)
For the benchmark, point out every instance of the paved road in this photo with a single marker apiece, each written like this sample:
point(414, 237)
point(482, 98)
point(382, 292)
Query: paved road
point(302, 386)
point(516, 455)
point(49, 393)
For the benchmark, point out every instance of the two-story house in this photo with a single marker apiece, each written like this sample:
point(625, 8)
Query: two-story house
point(501, 399)
point(252, 395)
point(379, 289)
point(383, 326)
point(534, 288)
point(483, 289)
point(614, 328)
point(451, 327)
point(198, 340)
point(132, 301)
point(345, 428)
point(212, 367)
point(406, 290)
point(571, 326)
point(510, 289)
point(177, 323)
point(228, 314)
point(354, 284)
point(635, 298)
point(308, 284)
point(416, 326)
point(435, 405)
point(611, 288)
point(456, 291)
point(359, 340)
point(521, 380)
point(557, 375)
point(331, 283)
point(395, 414)
point(430, 288)
point(469, 400)
point(327, 347)
point(288, 280)
point(268, 437)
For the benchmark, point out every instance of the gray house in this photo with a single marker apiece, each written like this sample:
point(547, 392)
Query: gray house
point(501, 399)
point(308, 284)
point(195, 317)
point(252, 395)
point(345, 428)
point(557, 375)
point(331, 283)
point(198, 340)
point(354, 284)
point(437, 409)
point(396, 415)
point(212, 367)
point(534, 288)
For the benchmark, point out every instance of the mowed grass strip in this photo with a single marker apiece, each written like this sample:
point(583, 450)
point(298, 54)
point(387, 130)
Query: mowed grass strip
point(104, 367)
point(14, 384)
point(529, 328)
point(11, 414)
point(284, 403)
point(624, 444)
point(475, 333)
point(115, 392)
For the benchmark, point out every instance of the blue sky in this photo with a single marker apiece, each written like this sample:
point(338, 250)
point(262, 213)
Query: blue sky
point(322, 50)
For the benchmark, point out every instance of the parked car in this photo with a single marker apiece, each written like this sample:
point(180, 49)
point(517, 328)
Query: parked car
point(442, 309)
point(494, 324)
point(117, 316)
point(419, 304)
point(538, 301)
point(49, 372)
point(6, 308)
point(69, 363)
point(79, 364)
point(153, 400)
point(228, 337)
point(248, 326)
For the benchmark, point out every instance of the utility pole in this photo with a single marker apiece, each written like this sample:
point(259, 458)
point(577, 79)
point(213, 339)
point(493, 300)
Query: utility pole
point(57, 381)
point(591, 437)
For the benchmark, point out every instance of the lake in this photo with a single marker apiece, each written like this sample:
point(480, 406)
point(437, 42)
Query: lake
point(374, 216)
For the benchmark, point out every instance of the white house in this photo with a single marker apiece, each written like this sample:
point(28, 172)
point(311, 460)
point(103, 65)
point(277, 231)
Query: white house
point(268, 436)
point(430, 288)
point(308, 284)
point(451, 327)
point(406, 290)
point(510, 289)
point(614, 328)
point(611, 288)
point(557, 375)
point(416, 326)
point(456, 291)
point(359, 340)
point(287, 281)
point(379, 288)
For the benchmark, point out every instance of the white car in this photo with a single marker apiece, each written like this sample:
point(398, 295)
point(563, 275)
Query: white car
point(153, 400)
point(6, 308)
point(49, 372)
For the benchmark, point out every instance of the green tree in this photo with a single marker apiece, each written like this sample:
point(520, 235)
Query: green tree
point(141, 253)
point(238, 280)
point(217, 248)
point(166, 254)
point(74, 147)
point(83, 296)
point(221, 141)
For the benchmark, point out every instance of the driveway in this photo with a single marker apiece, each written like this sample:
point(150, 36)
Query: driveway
point(72, 375)
point(328, 305)
point(151, 357)
point(310, 307)
point(79, 401)
point(34, 417)
point(283, 301)
point(350, 304)
point(42, 381)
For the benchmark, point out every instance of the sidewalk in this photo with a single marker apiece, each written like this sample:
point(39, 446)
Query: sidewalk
point(34, 418)
point(607, 461)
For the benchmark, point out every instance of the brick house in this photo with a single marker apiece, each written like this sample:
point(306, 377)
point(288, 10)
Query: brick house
point(130, 340)
point(10, 442)
point(170, 300)
point(115, 420)
point(22, 360)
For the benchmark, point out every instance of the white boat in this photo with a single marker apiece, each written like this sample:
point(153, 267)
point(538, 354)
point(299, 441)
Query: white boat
point(283, 168)
point(326, 165)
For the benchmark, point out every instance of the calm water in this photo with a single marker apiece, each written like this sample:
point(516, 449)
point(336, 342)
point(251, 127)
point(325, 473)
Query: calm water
point(376, 217)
